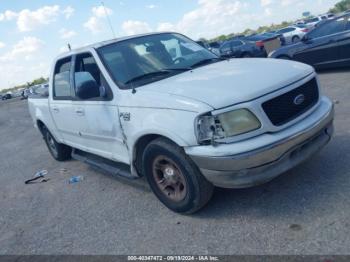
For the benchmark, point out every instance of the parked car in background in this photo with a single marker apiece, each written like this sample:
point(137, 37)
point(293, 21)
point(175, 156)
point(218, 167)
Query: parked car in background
point(215, 47)
point(330, 16)
point(6, 96)
point(241, 48)
point(203, 44)
point(293, 34)
point(313, 22)
point(41, 90)
point(267, 42)
point(275, 34)
point(328, 45)
point(187, 123)
point(299, 22)
point(25, 93)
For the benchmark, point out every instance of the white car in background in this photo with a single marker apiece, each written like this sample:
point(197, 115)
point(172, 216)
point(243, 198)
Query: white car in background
point(293, 34)
point(311, 23)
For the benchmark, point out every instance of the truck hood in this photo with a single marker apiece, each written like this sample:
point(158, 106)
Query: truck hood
point(233, 81)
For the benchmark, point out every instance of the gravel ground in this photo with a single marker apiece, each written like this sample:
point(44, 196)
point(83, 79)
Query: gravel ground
point(305, 211)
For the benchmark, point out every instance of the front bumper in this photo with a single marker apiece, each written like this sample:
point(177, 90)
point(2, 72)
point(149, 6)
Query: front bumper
point(261, 165)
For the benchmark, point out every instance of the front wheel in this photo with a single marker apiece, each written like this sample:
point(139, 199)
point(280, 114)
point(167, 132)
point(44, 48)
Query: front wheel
point(174, 178)
point(58, 151)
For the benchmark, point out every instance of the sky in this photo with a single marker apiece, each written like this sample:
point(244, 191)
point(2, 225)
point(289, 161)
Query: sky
point(33, 33)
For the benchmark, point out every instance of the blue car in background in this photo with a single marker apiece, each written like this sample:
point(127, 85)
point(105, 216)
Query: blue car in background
point(326, 46)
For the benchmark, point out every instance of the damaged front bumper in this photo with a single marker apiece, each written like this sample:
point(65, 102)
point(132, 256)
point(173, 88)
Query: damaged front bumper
point(253, 167)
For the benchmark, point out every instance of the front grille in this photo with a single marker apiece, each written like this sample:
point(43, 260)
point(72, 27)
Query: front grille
point(287, 107)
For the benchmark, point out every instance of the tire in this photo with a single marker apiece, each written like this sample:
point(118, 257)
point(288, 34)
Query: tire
point(60, 152)
point(174, 178)
point(295, 39)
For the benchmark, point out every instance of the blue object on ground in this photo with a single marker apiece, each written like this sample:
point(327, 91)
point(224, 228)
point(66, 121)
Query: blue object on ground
point(75, 179)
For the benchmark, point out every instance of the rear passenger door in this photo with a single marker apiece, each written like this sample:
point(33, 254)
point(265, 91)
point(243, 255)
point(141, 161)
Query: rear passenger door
point(98, 116)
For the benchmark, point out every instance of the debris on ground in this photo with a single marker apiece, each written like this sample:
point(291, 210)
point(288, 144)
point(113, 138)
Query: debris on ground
point(295, 227)
point(76, 179)
point(39, 177)
point(63, 171)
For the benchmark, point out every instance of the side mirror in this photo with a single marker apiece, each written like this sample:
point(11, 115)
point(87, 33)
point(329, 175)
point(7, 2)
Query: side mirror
point(86, 86)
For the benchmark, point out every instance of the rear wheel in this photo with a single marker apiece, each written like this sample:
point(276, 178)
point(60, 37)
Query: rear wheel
point(295, 39)
point(58, 151)
point(174, 178)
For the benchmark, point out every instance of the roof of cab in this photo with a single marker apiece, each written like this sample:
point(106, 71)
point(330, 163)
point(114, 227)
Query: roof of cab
point(104, 43)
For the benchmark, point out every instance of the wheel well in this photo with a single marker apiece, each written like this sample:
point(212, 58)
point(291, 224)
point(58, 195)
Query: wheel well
point(41, 126)
point(139, 148)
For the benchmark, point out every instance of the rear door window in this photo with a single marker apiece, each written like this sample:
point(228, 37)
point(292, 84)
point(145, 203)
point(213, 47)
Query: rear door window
point(62, 83)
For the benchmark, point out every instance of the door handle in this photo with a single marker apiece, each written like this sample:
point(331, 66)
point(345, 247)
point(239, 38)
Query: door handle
point(79, 111)
point(55, 109)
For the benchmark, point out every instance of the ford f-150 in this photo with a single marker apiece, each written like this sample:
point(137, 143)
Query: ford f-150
point(161, 106)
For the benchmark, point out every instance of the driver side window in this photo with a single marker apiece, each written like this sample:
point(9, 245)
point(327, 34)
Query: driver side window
point(86, 70)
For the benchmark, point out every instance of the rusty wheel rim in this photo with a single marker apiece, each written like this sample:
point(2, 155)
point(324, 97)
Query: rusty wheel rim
point(169, 178)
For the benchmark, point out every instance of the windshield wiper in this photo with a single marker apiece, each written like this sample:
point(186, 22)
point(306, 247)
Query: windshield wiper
point(162, 72)
point(148, 75)
point(207, 61)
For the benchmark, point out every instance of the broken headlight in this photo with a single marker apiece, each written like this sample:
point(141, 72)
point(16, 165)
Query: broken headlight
point(233, 123)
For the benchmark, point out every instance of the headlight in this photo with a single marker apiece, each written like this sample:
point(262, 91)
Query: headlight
point(227, 124)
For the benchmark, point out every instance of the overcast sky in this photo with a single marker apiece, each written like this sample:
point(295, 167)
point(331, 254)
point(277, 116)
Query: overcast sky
point(33, 32)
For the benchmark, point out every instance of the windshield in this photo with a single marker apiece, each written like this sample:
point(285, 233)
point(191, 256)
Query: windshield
point(143, 60)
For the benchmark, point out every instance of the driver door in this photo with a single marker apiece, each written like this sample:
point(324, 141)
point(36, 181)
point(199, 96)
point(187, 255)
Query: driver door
point(98, 115)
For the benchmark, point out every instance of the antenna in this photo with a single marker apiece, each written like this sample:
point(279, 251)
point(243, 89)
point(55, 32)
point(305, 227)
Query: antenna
point(69, 47)
point(108, 19)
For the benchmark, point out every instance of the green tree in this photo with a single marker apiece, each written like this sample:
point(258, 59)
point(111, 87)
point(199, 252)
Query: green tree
point(341, 6)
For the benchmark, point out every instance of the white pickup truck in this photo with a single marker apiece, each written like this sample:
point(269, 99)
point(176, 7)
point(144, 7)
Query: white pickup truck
point(161, 106)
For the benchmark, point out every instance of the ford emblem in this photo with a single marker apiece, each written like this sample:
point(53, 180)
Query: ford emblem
point(299, 99)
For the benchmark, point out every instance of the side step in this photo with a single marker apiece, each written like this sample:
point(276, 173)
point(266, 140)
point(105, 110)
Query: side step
point(112, 167)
